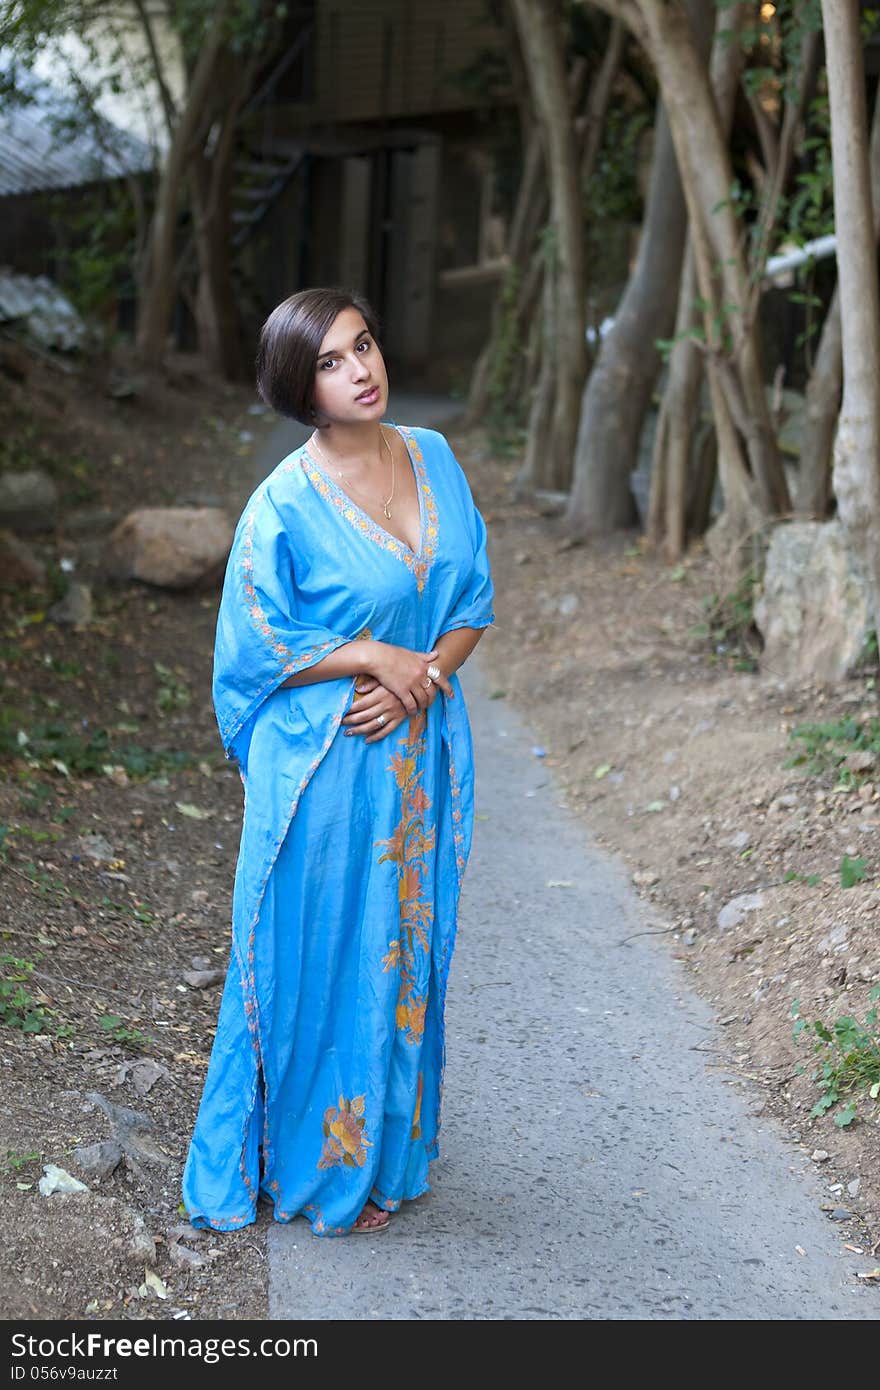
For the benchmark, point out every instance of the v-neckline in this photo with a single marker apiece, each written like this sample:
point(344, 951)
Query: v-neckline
point(417, 560)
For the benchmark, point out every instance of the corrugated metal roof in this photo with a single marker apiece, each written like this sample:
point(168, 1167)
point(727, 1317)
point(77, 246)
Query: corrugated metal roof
point(36, 154)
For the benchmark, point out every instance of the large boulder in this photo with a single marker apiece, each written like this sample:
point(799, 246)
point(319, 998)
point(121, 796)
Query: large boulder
point(28, 501)
point(813, 613)
point(173, 547)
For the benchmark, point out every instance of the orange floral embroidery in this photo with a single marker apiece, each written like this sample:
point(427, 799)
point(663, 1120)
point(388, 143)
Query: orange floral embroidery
point(344, 1138)
point(408, 848)
point(416, 1132)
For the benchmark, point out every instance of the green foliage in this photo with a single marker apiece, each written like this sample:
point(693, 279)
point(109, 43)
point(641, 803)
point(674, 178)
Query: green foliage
point(848, 1060)
point(54, 746)
point(173, 690)
point(119, 1032)
point(97, 240)
point(729, 624)
point(15, 1161)
point(852, 871)
point(811, 880)
point(824, 747)
point(17, 1007)
point(506, 365)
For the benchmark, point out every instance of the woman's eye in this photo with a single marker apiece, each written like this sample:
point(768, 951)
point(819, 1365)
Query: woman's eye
point(328, 362)
point(364, 343)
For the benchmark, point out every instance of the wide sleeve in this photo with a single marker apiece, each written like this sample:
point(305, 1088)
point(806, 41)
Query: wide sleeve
point(473, 603)
point(261, 638)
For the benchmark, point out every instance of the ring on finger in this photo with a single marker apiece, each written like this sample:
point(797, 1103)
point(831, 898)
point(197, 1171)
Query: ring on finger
point(434, 672)
point(380, 719)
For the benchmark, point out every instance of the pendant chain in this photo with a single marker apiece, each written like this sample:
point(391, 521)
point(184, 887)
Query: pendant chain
point(386, 505)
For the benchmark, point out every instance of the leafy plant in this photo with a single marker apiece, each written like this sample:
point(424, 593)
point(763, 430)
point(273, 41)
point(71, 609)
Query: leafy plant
point(824, 747)
point(848, 1059)
point(16, 1161)
point(119, 1032)
point(852, 871)
point(54, 746)
point(173, 690)
point(17, 1007)
point(811, 880)
point(729, 624)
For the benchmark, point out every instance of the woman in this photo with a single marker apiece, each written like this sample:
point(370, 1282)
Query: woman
point(357, 584)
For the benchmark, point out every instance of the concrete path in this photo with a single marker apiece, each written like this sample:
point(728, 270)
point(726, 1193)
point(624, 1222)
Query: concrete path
point(592, 1165)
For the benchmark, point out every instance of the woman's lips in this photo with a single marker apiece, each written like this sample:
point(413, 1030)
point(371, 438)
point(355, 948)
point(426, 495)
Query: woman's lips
point(368, 397)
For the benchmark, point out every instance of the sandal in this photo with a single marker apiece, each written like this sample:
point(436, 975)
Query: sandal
point(374, 1230)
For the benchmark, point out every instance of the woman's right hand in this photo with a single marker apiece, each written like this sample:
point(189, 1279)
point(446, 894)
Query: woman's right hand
point(401, 671)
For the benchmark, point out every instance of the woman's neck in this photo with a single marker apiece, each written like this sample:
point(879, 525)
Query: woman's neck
point(354, 442)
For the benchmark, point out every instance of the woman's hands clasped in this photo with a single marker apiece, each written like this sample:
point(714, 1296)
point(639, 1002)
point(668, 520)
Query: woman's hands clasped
point(396, 685)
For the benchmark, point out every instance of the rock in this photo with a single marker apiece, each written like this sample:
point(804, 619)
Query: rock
point(645, 878)
point(20, 568)
point(181, 1255)
point(689, 936)
point(59, 1180)
point(840, 1214)
point(101, 1159)
point(860, 760)
point(835, 940)
point(75, 609)
point(144, 1074)
point(740, 840)
point(203, 979)
point(97, 848)
point(820, 1155)
point(140, 1246)
point(853, 1187)
point(734, 912)
point(183, 1231)
point(28, 501)
point(172, 547)
point(568, 604)
point(813, 613)
point(131, 1131)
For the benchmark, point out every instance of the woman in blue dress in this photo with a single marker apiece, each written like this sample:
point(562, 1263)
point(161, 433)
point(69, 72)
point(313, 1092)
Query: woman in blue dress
point(357, 585)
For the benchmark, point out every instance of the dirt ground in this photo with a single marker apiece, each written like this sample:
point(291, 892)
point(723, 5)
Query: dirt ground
point(119, 823)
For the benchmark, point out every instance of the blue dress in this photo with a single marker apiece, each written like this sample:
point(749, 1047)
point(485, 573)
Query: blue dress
point(326, 1074)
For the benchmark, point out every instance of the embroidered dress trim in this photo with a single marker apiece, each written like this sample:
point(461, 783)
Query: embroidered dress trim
point(420, 561)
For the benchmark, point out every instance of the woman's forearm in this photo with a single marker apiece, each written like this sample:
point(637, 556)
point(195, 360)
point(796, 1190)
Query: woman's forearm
point(357, 658)
point(348, 660)
point(454, 648)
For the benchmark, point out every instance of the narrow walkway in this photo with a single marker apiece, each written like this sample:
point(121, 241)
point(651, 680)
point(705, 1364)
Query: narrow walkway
point(592, 1165)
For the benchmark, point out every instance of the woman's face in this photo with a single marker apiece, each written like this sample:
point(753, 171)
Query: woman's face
point(351, 383)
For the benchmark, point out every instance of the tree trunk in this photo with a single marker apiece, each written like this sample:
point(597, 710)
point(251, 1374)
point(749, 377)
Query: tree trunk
point(158, 279)
point(540, 29)
point(497, 383)
point(618, 392)
point(856, 473)
point(216, 310)
point(619, 388)
point(731, 335)
point(826, 379)
point(679, 411)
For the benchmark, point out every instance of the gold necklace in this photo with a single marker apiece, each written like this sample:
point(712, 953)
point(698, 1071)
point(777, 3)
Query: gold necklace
point(386, 505)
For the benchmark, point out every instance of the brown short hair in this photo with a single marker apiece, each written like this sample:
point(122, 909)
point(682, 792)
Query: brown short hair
point(290, 341)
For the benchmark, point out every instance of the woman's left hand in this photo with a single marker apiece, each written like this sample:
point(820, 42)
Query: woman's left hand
point(372, 700)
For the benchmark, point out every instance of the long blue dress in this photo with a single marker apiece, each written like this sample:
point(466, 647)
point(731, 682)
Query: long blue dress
point(326, 1074)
